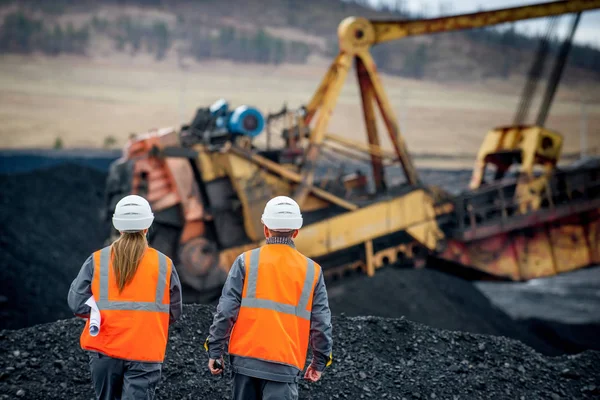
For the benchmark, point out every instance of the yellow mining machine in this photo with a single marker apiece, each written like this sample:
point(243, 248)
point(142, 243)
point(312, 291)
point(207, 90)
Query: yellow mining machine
point(208, 182)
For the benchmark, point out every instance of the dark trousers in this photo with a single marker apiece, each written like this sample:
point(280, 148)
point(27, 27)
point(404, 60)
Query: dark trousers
point(116, 379)
point(249, 388)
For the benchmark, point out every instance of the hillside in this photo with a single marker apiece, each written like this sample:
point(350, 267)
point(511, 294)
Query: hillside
point(265, 32)
point(88, 74)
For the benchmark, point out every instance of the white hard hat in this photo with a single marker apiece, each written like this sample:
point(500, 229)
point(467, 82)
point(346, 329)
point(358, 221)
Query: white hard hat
point(282, 213)
point(132, 214)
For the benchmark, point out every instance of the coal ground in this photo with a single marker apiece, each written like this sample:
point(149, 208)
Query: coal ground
point(373, 358)
point(433, 298)
point(50, 224)
point(572, 297)
point(563, 307)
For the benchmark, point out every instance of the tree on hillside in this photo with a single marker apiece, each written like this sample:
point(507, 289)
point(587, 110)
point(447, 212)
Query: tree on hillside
point(261, 43)
point(382, 56)
point(162, 37)
point(226, 36)
point(54, 40)
point(278, 51)
point(414, 66)
point(398, 6)
point(155, 37)
point(20, 34)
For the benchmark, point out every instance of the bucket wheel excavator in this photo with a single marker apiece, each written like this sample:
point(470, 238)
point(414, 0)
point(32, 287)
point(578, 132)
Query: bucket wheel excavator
point(209, 181)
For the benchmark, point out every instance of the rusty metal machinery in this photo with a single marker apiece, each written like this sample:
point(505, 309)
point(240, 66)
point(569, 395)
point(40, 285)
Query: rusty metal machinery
point(208, 185)
point(507, 233)
point(356, 36)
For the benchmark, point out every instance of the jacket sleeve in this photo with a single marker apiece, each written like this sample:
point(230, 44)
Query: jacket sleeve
point(227, 310)
point(176, 306)
point(321, 339)
point(81, 290)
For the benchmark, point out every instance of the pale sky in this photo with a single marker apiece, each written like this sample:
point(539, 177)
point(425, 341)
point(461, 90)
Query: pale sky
point(588, 31)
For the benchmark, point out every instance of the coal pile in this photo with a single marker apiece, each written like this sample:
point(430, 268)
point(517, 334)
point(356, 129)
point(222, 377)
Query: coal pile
point(436, 299)
point(50, 224)
point(373, 358)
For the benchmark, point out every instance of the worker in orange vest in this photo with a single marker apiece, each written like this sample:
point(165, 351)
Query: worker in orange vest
point(273, 303)
point(136, 293)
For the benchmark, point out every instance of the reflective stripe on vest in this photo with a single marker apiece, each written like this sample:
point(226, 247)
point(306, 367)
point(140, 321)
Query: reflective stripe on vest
point(157, 306)
point(299, 310)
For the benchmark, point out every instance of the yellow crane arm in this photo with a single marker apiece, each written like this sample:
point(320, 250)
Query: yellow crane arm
point(385, 31)
point(356, 36)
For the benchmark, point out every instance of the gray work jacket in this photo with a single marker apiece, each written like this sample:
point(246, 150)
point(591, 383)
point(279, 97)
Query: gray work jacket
point(81, 290)
point(321, 340)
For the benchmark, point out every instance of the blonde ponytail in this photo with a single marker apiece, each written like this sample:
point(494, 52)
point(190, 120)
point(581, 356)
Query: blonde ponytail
point(128, 251)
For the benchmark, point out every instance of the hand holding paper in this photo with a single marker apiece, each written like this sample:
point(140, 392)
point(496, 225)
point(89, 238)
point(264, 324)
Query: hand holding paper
point(94, 316)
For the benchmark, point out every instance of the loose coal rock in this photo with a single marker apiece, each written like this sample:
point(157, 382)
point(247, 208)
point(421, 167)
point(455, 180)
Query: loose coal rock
point(435, 299)
point(50, 224)
point(408, 360)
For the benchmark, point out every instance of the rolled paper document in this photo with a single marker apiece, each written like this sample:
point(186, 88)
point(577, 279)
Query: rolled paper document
point(94, 316)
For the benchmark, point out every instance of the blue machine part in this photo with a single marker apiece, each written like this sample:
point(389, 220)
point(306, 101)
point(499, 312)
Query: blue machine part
point(246, 121)
point(221, 123)
point(219, 107)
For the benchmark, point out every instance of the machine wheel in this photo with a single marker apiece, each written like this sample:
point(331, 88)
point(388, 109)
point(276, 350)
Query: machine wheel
point(199, 265)
point(165, 238)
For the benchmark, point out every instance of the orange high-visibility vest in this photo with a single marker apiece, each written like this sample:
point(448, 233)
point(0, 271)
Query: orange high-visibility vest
point(134, 324)
point(273, 323)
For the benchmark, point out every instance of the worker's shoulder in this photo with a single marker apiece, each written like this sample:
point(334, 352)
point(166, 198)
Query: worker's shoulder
point(96, 255)
point(242, 256)
point(249, 251)
point(100, 250)
point(161, 254)
point(89, 262)
point(310, 260)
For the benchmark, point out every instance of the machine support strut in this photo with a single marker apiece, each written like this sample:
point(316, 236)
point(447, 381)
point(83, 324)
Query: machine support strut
point(367, 96)
point(556, 73)
point(389, 118)
point(328, 93)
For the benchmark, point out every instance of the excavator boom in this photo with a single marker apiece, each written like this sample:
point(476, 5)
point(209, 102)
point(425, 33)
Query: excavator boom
point(386, 31)
point(356, 36)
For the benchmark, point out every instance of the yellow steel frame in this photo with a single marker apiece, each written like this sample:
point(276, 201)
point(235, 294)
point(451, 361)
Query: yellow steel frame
point(356, 37)
point(293, 177)
point(536, 145)
point(414, 213)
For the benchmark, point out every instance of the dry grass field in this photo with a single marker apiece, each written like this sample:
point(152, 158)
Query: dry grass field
point(85, 101)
